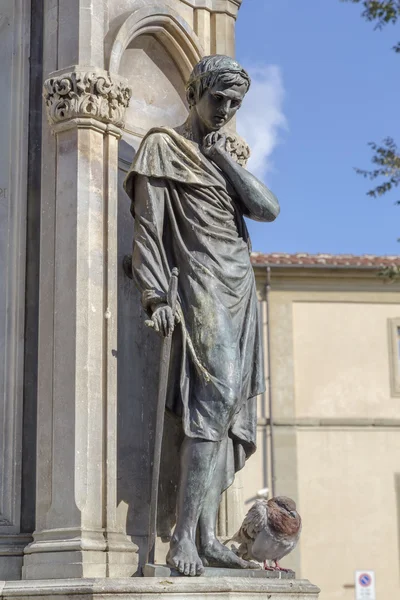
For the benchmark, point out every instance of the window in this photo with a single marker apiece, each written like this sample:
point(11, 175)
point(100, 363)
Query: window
point(394, 347)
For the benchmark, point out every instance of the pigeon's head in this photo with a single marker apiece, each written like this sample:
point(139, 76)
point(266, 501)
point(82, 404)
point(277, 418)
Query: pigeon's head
point(285, 504)
point(283, 516)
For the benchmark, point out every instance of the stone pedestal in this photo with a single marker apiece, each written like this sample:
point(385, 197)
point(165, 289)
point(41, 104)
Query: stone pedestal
point(221, 588)
point(162, 571)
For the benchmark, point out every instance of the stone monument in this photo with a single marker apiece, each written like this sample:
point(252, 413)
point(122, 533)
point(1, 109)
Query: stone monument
point(83, 83)
point(189, 196)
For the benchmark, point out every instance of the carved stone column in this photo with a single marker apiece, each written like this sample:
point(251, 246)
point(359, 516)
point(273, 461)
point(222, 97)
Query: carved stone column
point(76, 526)
point(15, 22)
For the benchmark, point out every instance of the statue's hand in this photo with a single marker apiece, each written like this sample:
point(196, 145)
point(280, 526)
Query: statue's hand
point(214, 147)
point(163, 320)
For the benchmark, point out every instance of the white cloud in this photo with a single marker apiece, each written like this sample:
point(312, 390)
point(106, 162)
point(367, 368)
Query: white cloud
point(261, 120)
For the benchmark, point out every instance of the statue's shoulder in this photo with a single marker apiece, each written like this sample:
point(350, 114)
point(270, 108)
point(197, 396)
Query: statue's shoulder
point(159, 136)
point(164, 143)
point(163, 154)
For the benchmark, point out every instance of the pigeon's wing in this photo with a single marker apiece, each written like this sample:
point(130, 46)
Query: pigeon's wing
point(255, 521)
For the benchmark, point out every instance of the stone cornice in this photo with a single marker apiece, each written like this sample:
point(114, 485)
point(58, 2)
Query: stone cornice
point(86, 93)
point(333, 422)
point(229, 7)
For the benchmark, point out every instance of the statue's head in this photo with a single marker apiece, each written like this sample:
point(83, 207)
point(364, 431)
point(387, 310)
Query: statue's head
point(216, 89)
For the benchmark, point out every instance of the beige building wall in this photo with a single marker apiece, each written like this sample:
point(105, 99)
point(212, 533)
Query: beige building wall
point(336, 422)
point(342, 346)
point(349, 504)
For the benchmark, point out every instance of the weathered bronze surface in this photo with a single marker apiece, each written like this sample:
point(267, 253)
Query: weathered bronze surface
point(189, 195)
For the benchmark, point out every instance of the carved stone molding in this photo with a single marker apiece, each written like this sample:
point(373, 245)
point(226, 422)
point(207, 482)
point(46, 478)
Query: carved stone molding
point(82, 93)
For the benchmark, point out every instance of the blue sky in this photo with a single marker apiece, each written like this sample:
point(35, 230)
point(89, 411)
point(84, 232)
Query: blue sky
point(325, 84)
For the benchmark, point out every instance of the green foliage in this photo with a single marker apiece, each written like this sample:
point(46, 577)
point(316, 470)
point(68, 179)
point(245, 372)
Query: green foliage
point(390, 274)
point(386, 157)
point(384, 12)
point(387, 161)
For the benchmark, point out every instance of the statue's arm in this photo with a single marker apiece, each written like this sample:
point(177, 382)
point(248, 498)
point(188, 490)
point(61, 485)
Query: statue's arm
point(150, 268)
point(149, 264)
point(257, 201)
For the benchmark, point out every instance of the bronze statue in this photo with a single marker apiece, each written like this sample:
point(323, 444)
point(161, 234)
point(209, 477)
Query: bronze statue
point(189, 196)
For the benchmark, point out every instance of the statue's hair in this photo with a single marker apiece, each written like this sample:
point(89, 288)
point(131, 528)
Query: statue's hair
point(212, 69)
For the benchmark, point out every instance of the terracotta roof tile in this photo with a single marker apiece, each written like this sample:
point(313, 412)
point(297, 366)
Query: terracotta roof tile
point(321, 260)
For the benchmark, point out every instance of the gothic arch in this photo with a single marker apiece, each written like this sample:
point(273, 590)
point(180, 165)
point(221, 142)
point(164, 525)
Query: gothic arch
point(171, 30)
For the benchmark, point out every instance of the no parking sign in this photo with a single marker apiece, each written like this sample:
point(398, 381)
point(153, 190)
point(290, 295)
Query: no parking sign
point(365, 585)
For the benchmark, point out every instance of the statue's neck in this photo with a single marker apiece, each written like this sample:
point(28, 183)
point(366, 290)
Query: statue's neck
point(194, 129)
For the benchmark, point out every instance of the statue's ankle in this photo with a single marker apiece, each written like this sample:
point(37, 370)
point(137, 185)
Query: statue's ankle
point(207, 541)
point(181, 535)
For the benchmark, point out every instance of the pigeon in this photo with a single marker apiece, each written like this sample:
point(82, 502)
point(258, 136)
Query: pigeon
point(270, 531)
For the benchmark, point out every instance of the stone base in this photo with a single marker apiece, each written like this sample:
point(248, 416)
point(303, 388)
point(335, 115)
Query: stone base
point(78, 564)
point(165, 571)
point(172, 588)
point(12, 554)
point(79, 557)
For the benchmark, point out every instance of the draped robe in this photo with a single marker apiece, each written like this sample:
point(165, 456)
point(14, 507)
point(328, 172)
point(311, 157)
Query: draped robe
point(187, 215)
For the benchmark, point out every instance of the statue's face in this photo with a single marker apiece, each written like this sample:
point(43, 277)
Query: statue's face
point(219, 104)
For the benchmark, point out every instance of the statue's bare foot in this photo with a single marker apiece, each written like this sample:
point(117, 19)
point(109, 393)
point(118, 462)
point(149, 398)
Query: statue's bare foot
point(214, 554)
point(183, 557)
